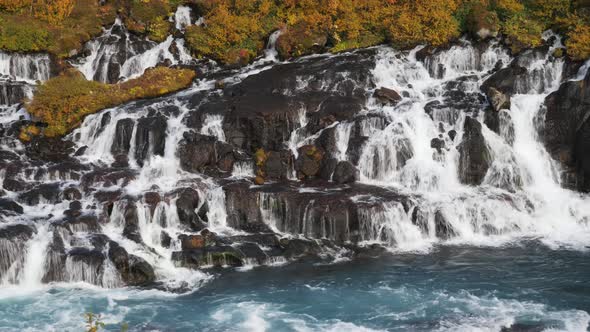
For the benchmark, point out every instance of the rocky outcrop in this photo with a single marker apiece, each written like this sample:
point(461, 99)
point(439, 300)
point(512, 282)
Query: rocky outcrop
point(566, 132)
point(122, 139)
point(205, 154)
point(150, 137)
point(387, 96)
point(474, 156)
point(345, 172)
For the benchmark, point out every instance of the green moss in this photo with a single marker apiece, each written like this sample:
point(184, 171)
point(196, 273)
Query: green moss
point(522, 32)
point(63, 102)
point(18, 35)
point(149, 17)
point(365, 40)
point(23, 33)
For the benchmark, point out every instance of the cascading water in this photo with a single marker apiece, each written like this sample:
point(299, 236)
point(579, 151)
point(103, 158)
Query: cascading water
point(160, 189)
point(118, 55)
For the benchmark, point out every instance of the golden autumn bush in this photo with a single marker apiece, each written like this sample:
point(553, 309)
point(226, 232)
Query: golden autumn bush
point(63, 101)
point(58, 27)
point(235, 31)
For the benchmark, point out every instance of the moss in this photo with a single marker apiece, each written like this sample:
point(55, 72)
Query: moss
point(23, 35)
point(578, 43)
point(63, 102)
point(149, 17)
point(22, 32)
point(522, 32)
point(365, 40)
point(28, 132)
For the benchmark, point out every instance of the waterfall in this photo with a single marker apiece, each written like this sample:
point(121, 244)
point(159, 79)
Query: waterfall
point(117, 55)
point(136, 65)
point(29, 68)
point(182, 17)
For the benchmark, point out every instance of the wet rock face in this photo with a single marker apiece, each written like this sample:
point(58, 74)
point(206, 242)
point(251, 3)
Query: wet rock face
point(566, 132)
point(150, 137)
point(9, 207)
point(13, 92)
point(474, 156)
point(387, 96)
point(205, 154)
point(345, 172)
point(186, 204)
point(122, 139)
point(309, 161)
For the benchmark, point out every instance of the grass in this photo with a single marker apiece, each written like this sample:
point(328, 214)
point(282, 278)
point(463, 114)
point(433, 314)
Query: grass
point(63, 101)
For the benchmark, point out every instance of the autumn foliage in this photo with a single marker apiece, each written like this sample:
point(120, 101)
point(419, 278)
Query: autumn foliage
point(51, 11)
point(235, 31)
point(63, 102)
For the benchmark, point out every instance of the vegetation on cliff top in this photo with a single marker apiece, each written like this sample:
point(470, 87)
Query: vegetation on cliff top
point(235, 31)
point(63, 101)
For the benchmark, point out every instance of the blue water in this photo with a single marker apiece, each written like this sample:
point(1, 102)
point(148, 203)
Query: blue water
point(449, 289)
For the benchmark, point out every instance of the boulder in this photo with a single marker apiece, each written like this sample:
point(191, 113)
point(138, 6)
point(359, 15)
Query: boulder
point(9, 207)
point(442, 228)
point(186, 204)
point(47, 192)
point(122, 139)
point(134, 270)
point(150, 137)
point(497, 99)
point(309, 161)
point(204, 154)
point(566, 133)
point(345, 172)
point(216, 256)
point(387, 96)
point(474, 156)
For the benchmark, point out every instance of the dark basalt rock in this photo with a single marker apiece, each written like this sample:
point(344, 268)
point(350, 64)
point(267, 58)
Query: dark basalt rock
point(242, 210)
point(505, 80)
point(204, 154)
point(9, 207)
point(309, 161)
point(566, 132)
point(18, 232)
point(216, 256)
point(335, 108)
point(49, 192)
point(345, 172)
point(13, 92)
point(49, 149)
point(387, 96)
point(107, 177)
point(442, 228)
point(277, 164)
point(497, 99)
point(186, 205)
point(89, 257)
point(71, 193)
point(474, 156)
point(122, 139)
point(151, 134)
point(78, 223)
point(131, 228)
point(438, 144)
point(121, 161)
point(296, 248)
point(140, 272)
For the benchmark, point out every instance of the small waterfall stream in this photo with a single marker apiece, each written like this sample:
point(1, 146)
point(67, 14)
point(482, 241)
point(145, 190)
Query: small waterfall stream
point(136, 194)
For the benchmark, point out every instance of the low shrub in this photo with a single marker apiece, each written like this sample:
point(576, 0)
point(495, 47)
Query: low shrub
point(63, 101)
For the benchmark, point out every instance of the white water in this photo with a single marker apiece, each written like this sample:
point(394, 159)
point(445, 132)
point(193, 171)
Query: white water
point(25, 67)
point(137, 55)
point(182, 17)
point(136, 65)
point(520, 195)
